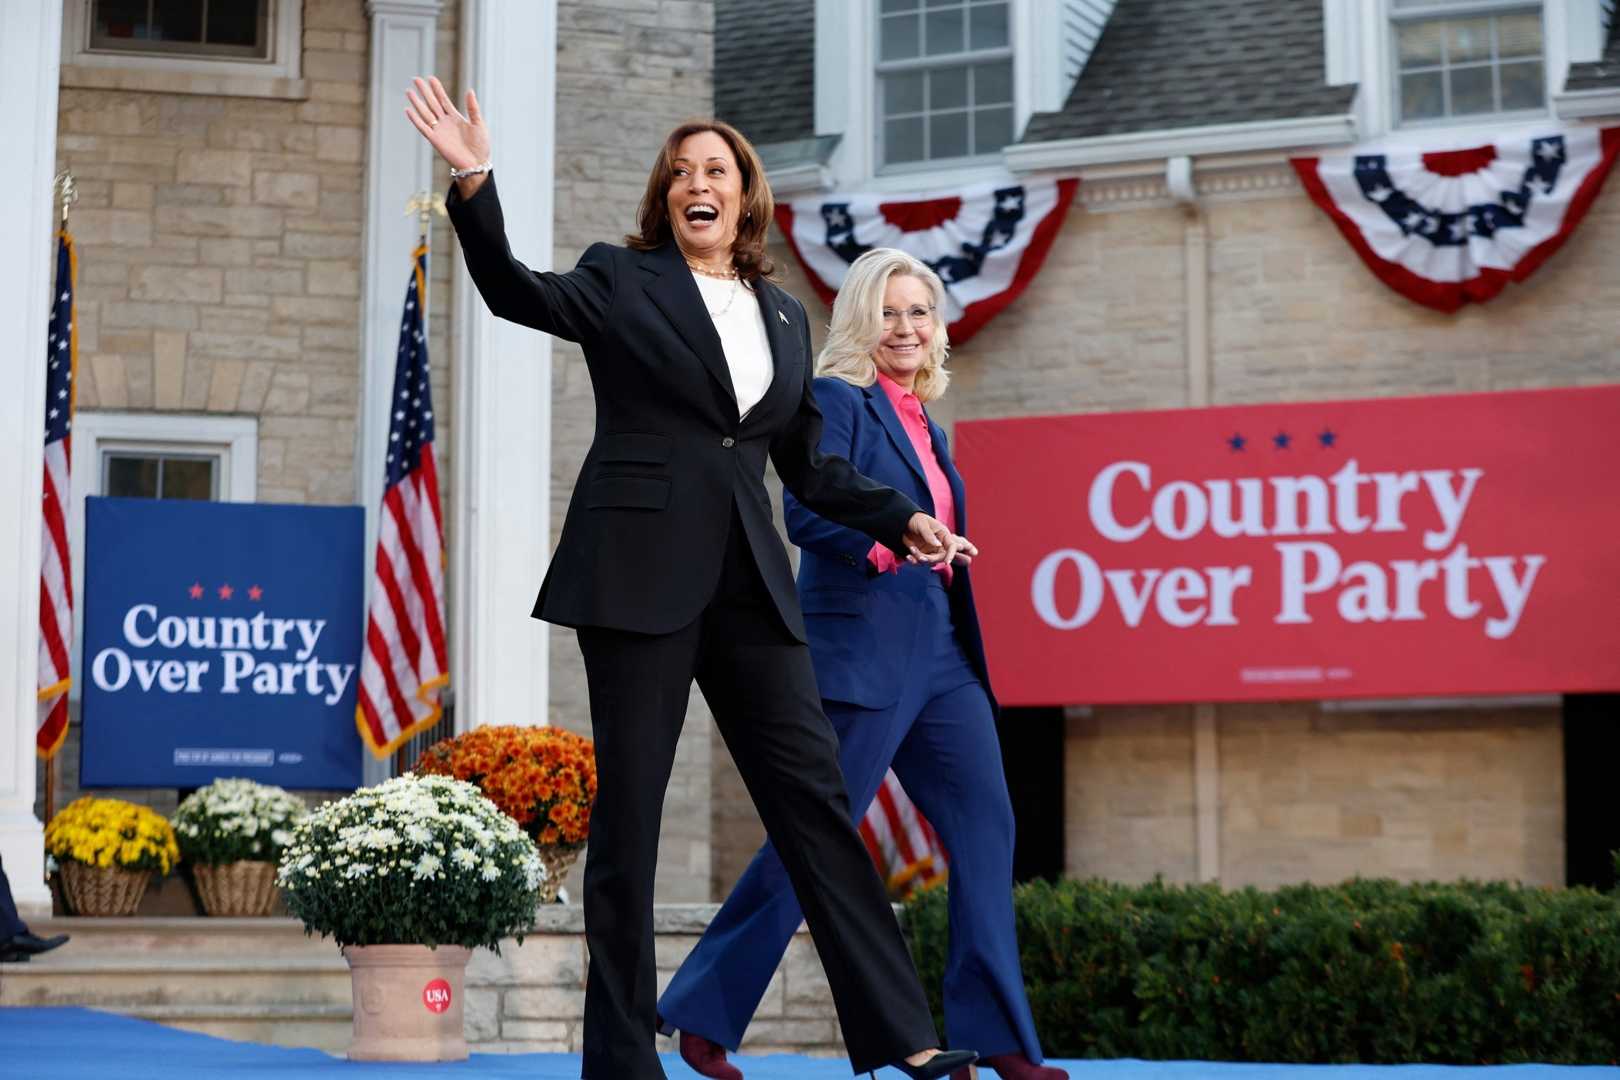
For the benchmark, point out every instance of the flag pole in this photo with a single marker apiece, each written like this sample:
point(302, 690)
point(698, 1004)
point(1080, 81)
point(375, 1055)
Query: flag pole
point(68, 189)
point(424, 204)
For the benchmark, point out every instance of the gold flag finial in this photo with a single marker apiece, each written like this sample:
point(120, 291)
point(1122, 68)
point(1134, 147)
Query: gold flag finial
point(65, 185)
point(424, 204)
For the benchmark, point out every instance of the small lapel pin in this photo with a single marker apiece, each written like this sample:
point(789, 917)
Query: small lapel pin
point(784, 319)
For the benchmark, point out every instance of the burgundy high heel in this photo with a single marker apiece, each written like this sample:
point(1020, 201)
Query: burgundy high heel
point(707, 1058)
point(1016, 1067)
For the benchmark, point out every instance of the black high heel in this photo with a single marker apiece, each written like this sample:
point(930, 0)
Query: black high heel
point(941, 1064)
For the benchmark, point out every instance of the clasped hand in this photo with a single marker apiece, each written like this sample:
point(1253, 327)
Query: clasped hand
point(929, 541)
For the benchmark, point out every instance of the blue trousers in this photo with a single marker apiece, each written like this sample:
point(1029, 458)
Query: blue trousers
point(940, 738)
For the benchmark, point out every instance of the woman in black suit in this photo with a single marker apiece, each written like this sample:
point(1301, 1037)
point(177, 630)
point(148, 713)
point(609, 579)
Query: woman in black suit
point(670, 569)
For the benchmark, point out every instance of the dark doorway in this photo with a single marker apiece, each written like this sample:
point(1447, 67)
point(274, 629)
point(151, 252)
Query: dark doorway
point(1032, 752)
point(1591, 827)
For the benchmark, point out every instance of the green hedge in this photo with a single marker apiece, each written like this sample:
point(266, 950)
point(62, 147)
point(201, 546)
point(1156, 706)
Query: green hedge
point(1368, 971)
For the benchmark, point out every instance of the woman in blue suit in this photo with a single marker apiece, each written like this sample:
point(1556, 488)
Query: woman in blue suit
point(901, 670)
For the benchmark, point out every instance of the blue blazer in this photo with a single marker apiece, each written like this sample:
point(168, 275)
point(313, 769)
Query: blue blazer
point(860, 623)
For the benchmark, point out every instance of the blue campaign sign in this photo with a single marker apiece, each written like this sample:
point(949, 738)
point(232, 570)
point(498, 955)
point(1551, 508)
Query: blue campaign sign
point(220, 639)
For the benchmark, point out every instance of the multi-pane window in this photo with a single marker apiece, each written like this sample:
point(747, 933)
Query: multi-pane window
point(228, 29)
point(159, 474)
point(1460, 58)
point(945, 80)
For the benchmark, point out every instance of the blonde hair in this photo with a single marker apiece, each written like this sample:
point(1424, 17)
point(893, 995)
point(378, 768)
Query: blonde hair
point(857, 323)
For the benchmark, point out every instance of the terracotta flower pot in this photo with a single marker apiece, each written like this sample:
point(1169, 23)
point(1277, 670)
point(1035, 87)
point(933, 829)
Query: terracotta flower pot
point(407, 1002)
point(245, 888)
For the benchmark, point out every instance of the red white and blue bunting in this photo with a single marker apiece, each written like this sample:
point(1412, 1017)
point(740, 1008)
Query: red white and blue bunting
point(986, 243)
point(1448, 228)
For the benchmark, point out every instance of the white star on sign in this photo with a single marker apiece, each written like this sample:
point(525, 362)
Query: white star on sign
point(1549, 152)
point(1380, 193)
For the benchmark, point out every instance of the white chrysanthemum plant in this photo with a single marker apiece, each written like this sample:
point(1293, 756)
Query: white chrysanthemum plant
point(236, 820)
point(417, 860)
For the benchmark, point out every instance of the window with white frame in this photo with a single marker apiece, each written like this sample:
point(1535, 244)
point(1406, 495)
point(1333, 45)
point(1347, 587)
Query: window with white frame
point(1455, 59)
point(240, 40)
point(215, 28)
point(146, 472)
point(944, 80)
point(157, 456)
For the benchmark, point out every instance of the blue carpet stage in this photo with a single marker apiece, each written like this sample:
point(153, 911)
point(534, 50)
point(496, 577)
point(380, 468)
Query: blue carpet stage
point(82, 1044)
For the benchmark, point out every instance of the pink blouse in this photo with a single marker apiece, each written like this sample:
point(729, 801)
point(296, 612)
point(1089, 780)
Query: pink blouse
point(910, 411)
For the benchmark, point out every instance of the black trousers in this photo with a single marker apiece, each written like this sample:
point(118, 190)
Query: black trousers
point(760, 686)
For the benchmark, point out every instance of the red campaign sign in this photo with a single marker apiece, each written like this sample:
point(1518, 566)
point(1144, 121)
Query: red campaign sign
point(1462, 544)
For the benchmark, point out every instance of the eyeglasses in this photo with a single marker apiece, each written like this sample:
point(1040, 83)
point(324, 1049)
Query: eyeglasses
point(915, 314)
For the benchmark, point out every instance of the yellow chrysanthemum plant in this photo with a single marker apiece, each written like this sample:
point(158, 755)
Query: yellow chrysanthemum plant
point(112, 833)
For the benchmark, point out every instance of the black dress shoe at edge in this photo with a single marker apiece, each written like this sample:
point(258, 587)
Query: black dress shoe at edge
point(7, 956)
point(941, 1064)
point(28, 944)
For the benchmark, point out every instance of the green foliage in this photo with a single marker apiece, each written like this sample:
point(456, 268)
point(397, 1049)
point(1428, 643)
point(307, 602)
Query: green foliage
point(412, 861)
point(234, 819)
point(1368, 971)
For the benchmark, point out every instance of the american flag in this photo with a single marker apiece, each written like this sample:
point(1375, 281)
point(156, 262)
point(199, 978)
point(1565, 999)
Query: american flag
point(902, 843)
point(406, 665)
point(55, 562)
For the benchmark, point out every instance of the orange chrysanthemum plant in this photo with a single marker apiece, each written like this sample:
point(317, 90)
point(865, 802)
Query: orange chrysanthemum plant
point(544, 778)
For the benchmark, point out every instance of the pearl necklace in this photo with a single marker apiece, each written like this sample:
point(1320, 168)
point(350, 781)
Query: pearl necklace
point(731, 295)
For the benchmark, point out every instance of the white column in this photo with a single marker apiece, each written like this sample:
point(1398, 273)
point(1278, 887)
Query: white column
point(501, 526)
point(30, 54)
point(399, 163)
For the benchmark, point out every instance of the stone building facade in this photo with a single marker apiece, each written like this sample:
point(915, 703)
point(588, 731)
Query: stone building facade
point(222, 269)
point(1237, 291)
point(221, 256)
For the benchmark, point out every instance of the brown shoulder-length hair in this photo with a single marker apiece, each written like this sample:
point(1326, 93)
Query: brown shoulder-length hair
point(748, 253)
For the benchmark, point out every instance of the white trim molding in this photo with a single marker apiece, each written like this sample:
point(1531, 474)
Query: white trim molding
point(278, 76)
point(801, 179)
point(1588, 104)
point(501, 506)
point(1159, 146)
point(30, 55)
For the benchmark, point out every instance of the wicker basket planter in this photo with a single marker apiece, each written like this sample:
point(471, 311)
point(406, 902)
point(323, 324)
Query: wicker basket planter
point(557, 860)
point(244, 888)
point(103, 890)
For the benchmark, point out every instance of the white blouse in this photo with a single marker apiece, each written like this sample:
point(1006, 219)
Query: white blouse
point(737, 319)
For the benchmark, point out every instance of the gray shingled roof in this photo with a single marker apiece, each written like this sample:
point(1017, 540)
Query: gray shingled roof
point(1166, 64)
point(765, 67)
point(1599, 74)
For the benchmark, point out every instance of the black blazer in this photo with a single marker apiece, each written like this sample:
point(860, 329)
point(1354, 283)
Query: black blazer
point(647, 525)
